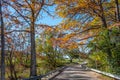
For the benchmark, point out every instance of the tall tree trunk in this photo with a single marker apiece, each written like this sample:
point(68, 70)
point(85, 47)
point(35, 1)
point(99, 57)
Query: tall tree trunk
point(33, 51)
point(2, 44)
point(71, 60)
point(117, 10)
point(103, 19)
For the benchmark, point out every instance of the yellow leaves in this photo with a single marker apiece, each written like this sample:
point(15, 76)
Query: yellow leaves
point(48, 30)
point(82, 3)
point(73, 46)
point(61, 11)
point(66, 43)
point(59, 1)
point(95, 21)
point(33, 6)
point(63, 7)
point(64, 1)
point(57, 29)
point(62, 46)
point(69, 46)
point(70, 24)
point(13, 0)
point(48, 41)
point(81, 43)
point(70, 35)
point(66, 38)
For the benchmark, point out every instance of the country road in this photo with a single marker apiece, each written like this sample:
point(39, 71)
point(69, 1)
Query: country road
point(77, 73)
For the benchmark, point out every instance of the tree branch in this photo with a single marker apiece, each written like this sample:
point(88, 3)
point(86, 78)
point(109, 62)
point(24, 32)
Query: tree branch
point(16, 31)
point(17, 11)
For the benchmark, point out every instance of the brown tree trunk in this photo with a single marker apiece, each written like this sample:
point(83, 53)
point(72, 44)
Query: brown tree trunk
point(33, 71)
point(117, 11)
point(71, 60)
point(2, 44)
point(103, 19)
point(33, 52)
point(104, 22)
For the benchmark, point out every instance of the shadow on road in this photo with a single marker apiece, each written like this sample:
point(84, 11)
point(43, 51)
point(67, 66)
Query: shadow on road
point(73, 73)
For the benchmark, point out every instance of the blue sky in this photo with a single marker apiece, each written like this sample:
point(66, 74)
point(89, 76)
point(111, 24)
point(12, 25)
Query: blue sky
point(50, 21)
point(47, 19)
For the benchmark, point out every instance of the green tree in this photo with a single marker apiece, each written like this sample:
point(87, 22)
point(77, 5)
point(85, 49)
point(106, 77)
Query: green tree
point(47, 47)
point(104, 44)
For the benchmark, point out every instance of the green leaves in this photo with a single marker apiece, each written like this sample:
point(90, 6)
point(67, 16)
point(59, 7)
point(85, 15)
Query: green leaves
point(106, 49)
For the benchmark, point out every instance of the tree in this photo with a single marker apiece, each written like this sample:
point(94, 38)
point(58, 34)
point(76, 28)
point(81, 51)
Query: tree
point(29, 11)
point(48, 48)
point(83, 10)
point(74, 53)
point(99, 12)
point(92, 14)
point(2, 44)
point(102, 43)
point(117, 10)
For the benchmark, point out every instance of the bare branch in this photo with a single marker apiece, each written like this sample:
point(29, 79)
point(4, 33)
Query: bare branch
point(87, 38)
point(17, 11)
point(16, 31)
point(90, 28)
point(42, 3)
